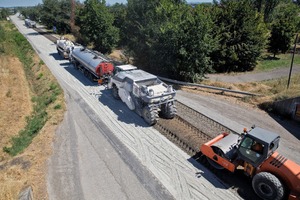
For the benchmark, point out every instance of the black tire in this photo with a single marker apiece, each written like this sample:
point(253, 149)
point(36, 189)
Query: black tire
point(267, 186)
point(150, 115)
point(115, 92)
point(75, 64)
point(168, 110)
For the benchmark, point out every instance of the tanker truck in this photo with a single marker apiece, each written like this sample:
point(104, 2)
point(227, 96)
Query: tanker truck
point(94, 65)
point(30, 24)
point(143, 92)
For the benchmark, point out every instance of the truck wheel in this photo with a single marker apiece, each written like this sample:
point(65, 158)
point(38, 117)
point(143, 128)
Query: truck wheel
point(115, 92)
point(168, 110)
point(150, 115)
point(267, 186)
point(75, 64)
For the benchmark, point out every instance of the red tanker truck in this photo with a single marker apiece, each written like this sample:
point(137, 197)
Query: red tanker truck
point(94, 65)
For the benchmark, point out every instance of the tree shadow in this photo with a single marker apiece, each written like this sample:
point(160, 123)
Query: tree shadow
point(270, 57)
point(286, 122)
point(290, 125)
point(224, 179)
point(123, 113)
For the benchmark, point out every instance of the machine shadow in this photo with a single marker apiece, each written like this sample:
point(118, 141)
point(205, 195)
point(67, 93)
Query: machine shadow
point(123, 113)
point(75, 73)
point(290, 125)
point(236, 181)
point(56, 56)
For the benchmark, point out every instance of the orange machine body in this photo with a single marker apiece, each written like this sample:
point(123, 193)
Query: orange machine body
point(287, 171)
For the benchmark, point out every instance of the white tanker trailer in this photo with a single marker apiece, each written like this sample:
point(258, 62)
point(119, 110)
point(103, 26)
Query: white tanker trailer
point(94, 65)
point(64, 47)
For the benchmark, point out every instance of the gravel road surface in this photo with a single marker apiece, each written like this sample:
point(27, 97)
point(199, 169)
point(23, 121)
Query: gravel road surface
point(105, 151)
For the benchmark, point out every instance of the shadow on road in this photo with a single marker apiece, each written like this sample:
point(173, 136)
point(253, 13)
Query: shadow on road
point(120, 109)
point(237, 181)
point(75, 73)
point(56, 56)
point(290, 125)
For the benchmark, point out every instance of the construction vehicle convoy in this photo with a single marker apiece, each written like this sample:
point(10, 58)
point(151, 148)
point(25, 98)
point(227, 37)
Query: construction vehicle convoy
point(144, 93)
point(274, 177)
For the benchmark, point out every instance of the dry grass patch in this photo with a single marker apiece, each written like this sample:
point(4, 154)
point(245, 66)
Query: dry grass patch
point(25, 84)
point(15, 102)
point(30, 167)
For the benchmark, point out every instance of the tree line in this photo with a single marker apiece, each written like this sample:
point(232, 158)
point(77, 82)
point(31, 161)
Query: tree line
point(176, 39)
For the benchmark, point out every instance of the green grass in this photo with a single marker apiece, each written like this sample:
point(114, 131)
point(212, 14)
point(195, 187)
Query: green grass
point(45, 92)
point(267, 62)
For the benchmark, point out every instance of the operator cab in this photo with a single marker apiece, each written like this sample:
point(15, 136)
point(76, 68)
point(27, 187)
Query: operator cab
point(257, 145)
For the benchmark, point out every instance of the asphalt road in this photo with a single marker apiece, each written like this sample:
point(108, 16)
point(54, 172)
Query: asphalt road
point(105, 151)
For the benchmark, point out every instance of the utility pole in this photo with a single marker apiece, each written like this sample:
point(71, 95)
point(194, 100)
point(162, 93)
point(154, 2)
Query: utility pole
point(288, 84)
point(72, 16)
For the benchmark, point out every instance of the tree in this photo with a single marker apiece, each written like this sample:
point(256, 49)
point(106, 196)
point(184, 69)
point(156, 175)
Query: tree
point(170, 38)
point(241, 35)
point(185, 43)
point(266, 7)
point(283, 28)
point(96, 25)
point(56, 13)
point(119, 12)
point(33, 13)
point(4, 12)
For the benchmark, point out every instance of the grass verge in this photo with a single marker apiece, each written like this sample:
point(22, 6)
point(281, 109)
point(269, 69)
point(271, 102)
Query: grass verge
point(268, 62)
point(44, 92)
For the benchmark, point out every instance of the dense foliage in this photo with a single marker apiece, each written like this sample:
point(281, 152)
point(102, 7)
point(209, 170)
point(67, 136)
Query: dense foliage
point(175, 39)
point(170, 37)
point(4, 12)
point(241, 35)
point(283, 29)
point(95, 22)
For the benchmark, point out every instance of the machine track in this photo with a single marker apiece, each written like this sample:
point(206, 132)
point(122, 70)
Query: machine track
point(189, 129)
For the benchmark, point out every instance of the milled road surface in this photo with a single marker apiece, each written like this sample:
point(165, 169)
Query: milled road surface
point(105, 151)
